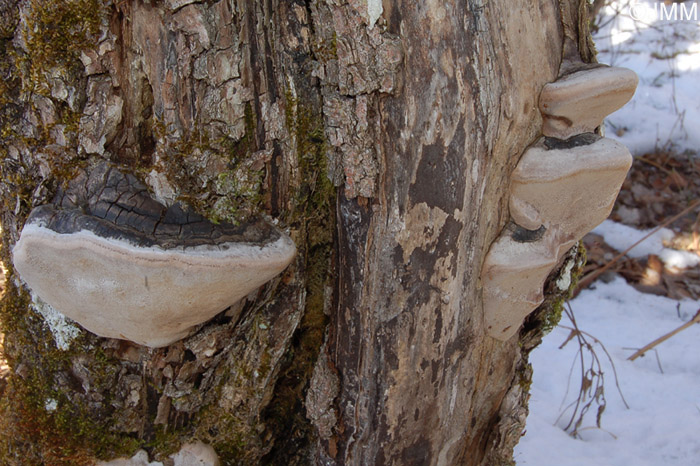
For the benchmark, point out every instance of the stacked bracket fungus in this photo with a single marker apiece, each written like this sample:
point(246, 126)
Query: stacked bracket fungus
point(563, 186)
point(110, 257)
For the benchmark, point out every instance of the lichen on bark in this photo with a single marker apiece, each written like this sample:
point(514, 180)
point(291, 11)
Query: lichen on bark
point(50, 411)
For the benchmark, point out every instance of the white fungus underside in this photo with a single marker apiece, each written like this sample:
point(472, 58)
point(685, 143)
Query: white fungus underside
point(148, 295)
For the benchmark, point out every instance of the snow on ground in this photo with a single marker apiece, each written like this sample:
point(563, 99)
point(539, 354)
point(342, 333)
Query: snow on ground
point(662, 425)
point(665, 110)
point(621, 237)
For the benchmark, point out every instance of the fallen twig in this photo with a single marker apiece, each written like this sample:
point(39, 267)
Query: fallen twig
point(658, 341)
point(592, 389)
point(589, 278)
point(653, 164)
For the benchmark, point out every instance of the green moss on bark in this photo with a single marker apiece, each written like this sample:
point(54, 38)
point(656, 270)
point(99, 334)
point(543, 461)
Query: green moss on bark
point(55, 33)
point(234, 193)
point(42, 421)
point(314, 216)
point(50, 414)
point(559, 287)
point(58, 30)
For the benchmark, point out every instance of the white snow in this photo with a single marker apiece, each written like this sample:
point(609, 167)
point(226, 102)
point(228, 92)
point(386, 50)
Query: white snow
point(662, 424)
point(665, 110)
point(621, 237)
point(679, 259)
point(661, 427)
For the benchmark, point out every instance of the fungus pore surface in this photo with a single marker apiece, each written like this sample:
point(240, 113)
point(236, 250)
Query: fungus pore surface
point(110, 257)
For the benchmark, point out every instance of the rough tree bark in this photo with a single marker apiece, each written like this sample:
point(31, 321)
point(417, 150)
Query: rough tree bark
point(381, 134)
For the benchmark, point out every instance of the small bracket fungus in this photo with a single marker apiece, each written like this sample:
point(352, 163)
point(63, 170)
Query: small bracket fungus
point(513, 276)
point(566, 193)
point(577, 102)
point(563, 186)
point(110, 257)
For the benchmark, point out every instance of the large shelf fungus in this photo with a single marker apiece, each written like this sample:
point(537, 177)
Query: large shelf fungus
point(113, 259)
point(572, 189)
point(563, 186)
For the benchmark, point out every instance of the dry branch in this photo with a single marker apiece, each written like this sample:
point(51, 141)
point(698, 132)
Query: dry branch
point(588, 279)
point(658, 341)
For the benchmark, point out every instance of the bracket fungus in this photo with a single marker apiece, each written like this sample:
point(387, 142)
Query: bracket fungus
point(577, 102)
point(122, 265)
point(563, 186)
point(573, 189)
point(513, 279)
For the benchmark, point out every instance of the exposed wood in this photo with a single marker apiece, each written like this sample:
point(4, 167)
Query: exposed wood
point(421, 383)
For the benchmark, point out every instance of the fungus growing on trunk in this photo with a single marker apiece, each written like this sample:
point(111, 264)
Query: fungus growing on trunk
point(513, 276)
point(122, 265)
point(577, 102)
point(573, 188)
point(563, 186)
point(564, 191)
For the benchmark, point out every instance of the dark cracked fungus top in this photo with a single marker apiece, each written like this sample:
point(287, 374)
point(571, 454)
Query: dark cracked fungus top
point(115, 205)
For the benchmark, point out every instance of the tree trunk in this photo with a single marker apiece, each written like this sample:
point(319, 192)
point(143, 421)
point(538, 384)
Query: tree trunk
point(381, 134)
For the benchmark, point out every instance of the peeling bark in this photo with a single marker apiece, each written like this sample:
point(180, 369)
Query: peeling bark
point(416, 112)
